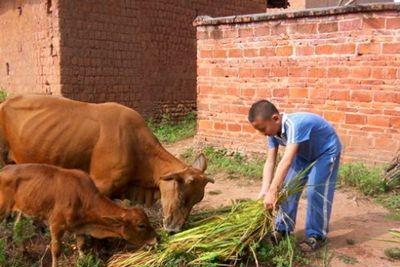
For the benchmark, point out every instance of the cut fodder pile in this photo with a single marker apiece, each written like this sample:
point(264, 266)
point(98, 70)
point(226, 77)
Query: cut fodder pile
point(220, 240)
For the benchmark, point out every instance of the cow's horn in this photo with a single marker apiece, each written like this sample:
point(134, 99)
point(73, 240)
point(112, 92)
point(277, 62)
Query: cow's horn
point(210, 180)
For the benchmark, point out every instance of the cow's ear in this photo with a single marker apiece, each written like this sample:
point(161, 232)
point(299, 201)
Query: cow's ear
point(200, 163)
point(173, 176)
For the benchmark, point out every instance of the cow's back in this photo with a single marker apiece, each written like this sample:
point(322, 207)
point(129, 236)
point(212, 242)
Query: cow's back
point(54, 130)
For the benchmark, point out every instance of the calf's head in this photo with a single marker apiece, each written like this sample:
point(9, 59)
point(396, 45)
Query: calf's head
point(134, 226)
point(180, 191)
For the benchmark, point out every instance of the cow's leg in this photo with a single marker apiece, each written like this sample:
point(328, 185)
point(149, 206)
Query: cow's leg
point(56, 233)
point(80, 243)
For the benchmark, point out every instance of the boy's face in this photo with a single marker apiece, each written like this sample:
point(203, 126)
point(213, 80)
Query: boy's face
point(268, 127)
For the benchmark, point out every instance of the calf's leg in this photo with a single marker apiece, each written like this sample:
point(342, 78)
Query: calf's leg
point(80, 242)
point(56, 234)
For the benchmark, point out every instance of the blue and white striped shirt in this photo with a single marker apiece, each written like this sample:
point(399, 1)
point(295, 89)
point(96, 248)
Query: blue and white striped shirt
point(313, 133)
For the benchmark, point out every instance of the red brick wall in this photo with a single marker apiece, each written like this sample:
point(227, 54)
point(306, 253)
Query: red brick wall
point(29, 41)
point(138, 53)
point(342, 64)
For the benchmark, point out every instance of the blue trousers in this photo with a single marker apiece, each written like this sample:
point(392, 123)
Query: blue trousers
point(320, 181)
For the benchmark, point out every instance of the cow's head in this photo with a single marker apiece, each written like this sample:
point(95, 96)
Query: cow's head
point(180, 191)
point(136, 228)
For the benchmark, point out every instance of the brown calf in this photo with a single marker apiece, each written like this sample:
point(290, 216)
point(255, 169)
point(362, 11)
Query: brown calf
point(69, 201)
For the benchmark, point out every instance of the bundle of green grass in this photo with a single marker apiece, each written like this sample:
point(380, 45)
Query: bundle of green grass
point(220, 240)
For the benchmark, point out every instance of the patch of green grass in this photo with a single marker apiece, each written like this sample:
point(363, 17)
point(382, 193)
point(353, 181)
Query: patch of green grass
point(3, 252)
point(23, 230)
point(3, 94)
point(285, 254)
point(168, 131)
point(235, 164)
point(393, 253)
point(366, 179)
point(347, 259)
point(88, 260)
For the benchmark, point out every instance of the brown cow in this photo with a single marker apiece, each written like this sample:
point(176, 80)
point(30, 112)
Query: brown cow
point(69, 201)
point(109, 141)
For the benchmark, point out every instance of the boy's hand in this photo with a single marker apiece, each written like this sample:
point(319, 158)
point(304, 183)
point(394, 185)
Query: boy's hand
point(270, 200)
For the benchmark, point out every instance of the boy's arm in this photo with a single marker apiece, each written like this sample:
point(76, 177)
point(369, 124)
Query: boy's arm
point(280, 174)
point(268, 171)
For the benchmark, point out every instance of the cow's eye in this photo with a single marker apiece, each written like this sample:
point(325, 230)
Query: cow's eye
point(141, 226)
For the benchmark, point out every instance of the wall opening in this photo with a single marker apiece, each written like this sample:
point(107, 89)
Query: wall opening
point(8, 69)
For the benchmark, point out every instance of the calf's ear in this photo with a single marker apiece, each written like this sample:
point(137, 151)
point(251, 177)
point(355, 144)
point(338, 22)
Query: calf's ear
point(200, 162)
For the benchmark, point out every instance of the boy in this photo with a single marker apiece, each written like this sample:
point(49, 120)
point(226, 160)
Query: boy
point(308, 138)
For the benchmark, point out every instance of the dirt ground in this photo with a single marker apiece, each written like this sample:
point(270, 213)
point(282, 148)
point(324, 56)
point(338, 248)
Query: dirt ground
point(355, 227)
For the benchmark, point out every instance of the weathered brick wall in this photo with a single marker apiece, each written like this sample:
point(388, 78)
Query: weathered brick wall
point(138, 53)
point(29, 41)
point(340, 63)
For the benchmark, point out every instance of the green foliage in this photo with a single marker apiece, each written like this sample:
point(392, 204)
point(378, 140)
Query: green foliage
point(368, 180)
point(393, 253)
point(3, 252)
point(88, 260)
point(285, 254)
point(168, 131)
point(348, 259)
point(3, 94)
point(234, 164)
point(23, 230)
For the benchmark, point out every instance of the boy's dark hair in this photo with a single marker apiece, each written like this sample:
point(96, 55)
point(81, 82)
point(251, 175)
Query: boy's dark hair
point(263, 109)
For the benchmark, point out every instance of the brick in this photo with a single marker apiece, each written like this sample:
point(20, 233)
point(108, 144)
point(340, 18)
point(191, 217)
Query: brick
point(262, 31)
point(306, 28)
point(378, 121)
point(385, 143)
point(278, 72)
point(206, 53)
point(334, 116)
point(369, 48)
point(245, 73)
point(374, 23)
point(261, 72)
point(385, 96)
point(284, 51)
point(245, 32)
point(339, 95)
point(278, 29)
point(205, 124)
point(298, 92)
point(234, 127)
point(395, 122)
point(251, 52)
point(360, 72)
point(384, 73)
point(361, 96)
point(219, 53)
point(297, 72)
point(355, 119)
point(317, 72)
point(324, 49)
point(350, 25)
point(319, 93)
point(393, 23)
point(279, 92)
point(219, 126)
point(304, 50)
point(235, 53)
point(267, 51)
point(346, 49)
point(328, 27)
point(391, 48)
point(338, 72)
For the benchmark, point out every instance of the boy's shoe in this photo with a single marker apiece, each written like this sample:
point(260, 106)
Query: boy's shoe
point(312, 244)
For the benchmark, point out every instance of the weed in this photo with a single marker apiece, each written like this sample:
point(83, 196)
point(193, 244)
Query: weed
point(168, 131)
point(3, 94)
point(88, 260)
point(393, 253)
point(23, 230)
point(347, 259)
point(366, 179)
point(3, 252)
point(286, 253)
point(234, 165)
